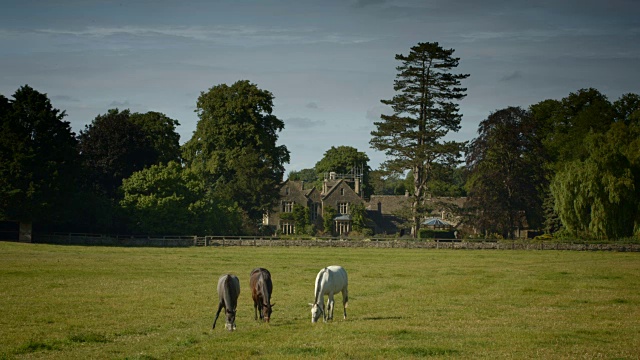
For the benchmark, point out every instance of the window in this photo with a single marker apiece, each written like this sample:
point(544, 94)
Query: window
point(342, 191)
point(343, 208)
point(313, 211)
point(287, 227)
point(287, 206)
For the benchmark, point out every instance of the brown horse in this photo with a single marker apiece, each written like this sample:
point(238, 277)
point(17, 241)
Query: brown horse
point(261, 290)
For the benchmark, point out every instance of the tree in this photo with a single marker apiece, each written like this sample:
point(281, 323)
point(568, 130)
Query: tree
point(235, 145)
point(165, 199)
point(38, 159)
point(384, 183)
point(306, 175)
point(424, 112)
point(300, 216)
point(627, 109)
point(358, 217)
point(506, 182)
point(112, 148)
point(598, 196)
point(346, 160)
point(570, 120)
point(160, 131)
point(328, 216)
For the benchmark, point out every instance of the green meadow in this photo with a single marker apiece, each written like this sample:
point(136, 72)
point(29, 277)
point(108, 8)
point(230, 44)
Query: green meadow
point(72, 302)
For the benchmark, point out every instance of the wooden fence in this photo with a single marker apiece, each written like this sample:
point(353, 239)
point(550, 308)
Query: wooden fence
point(265, 241)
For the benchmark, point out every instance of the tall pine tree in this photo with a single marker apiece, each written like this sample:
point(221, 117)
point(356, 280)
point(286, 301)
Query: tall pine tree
point(424, 111)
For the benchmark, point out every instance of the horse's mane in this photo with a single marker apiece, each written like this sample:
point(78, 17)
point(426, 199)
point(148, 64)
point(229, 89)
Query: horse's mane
point(318, 282)
point(262, 281)
point(231, 293)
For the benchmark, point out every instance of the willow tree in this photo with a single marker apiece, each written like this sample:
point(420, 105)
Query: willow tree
point(598, 196)
point(425, 110)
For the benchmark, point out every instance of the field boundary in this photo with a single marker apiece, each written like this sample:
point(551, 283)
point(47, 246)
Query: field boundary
point(266, 241)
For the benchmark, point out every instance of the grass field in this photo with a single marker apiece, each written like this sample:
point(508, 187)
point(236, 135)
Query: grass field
point(68, 302)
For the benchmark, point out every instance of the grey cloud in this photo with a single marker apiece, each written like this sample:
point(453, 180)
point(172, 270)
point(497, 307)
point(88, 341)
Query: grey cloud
point(64, 98)
point(512, 76)
point(303, 123)
point(365, 3)
point(119, 104)
point(312, 105)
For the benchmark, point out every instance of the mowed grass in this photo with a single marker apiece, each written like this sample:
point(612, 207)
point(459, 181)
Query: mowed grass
point(71, 302)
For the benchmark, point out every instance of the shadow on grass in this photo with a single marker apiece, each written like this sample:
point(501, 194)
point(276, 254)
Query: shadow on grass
point(34, 345)
point(424, 351)
point(37, 345)
point(304, 351)
point(382, 318)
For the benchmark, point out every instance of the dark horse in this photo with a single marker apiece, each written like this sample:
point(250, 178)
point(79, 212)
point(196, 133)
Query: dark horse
point(261, 290)
point(228, 292)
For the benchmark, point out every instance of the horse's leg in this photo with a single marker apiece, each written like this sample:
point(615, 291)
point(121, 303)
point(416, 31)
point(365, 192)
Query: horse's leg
point(330, 304)
point(345, 300)
point(255, 310)
point(220, 306)
point(260, 308)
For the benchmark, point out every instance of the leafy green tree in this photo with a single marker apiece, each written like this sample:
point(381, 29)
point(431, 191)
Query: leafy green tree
point(112, 148)
point(627, 109)
point(307, 175)
point(160, 131)
point(38, 159)
point(384, 183)
point(167, 200)
point(424, 111)
point(570, 120)
point(358, 217)
point(599, 196)
point(301, 218)
point(345, 160)
point(328, 215)
point(506, 183)
point(235, 146)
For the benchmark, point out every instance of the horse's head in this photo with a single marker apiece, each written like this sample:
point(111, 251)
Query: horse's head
point(316, 312)
point(266, 311)
point(231, 320)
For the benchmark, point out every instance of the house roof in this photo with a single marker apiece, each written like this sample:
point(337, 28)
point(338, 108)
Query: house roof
point(388, 203)
point(332, 185)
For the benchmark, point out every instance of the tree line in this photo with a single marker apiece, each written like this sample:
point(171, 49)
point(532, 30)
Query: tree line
point(569, 166)
point(127, 173)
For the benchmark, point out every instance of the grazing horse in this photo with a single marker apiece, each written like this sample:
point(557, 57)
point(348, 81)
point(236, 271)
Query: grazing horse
point(261, 290)
point(330, 280)
point(228, 292)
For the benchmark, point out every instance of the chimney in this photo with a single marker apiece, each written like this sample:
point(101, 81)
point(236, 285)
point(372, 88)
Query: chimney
point(406, 193)
point(324, 186)
point(332, 175)
point(357, 186)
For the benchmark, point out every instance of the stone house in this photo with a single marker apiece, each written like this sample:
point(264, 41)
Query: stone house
point(385, 211)
point(389, 211)
point(335, 193)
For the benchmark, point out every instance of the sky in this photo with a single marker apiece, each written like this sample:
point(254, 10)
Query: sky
point(327, 63)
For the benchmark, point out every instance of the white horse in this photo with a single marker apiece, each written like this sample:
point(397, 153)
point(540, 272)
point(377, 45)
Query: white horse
point(330, 280)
